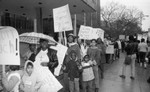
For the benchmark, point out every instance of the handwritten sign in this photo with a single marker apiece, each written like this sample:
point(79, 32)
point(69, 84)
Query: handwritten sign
point(139, 37)
point(110, 49)
point(61, 51)
point(121, 37)
point(96, 33)
point(62, 19)
point(85, 32)
point(9, 46)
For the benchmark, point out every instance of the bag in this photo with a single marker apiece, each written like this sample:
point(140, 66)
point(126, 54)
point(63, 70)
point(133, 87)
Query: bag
point(128, 60)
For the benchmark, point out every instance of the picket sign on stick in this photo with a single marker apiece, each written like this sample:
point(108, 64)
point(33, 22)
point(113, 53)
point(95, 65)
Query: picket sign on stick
point(61, 50)
point(60, 37)
point(9, 47)
point(62, 19)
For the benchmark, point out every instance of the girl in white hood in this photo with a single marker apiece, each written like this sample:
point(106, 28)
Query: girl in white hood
point(29, 80)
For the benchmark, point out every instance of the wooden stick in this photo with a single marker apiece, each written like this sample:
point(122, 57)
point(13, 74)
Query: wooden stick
point(3, 69)
point(65, 38)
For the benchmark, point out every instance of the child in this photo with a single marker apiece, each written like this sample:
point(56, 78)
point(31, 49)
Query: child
point(73, 69)
point(29, 80)
point(11, 80)
point(87, 74)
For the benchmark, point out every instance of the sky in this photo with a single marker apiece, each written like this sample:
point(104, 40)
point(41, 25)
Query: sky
point(143, 5)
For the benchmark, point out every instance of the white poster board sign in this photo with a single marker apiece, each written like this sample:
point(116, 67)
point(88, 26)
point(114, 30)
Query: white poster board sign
point(85, 32)
point(96, 33)
point(9, 46)
point(139, 37)
point(62, 19)
point(110, 49)
point(61, 51)
point(122, 37)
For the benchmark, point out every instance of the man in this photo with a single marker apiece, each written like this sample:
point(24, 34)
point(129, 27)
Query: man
point(131, 50)
point(119, 48)
point(143, 49)
point(30, 54)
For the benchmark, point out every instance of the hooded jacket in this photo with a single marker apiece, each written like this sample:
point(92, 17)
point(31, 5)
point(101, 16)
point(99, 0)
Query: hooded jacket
point(72, 67)
point(73, 47)
point(28, 83)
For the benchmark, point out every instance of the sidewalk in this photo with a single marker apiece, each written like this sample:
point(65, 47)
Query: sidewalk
point(113, 83)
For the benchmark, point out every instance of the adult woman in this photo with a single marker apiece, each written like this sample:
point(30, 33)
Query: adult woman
point(72, 46)
point(44, 65)
point(94, 54)
point(11, 80)
point(48, 54)
point(102, 49)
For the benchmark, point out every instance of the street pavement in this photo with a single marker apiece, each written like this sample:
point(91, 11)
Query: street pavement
point(113, 83)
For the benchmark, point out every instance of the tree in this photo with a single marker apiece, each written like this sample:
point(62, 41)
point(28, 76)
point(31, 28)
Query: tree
point(119, 19)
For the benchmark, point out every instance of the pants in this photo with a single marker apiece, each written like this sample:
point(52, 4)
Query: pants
point(142, 56)
point(87, 84)
point(118, 53)
point(109, 58)
point(66, 82)
point(96, 74)
point(133, 57)
point(74, 85)
point(101, 68)
point(115, 53)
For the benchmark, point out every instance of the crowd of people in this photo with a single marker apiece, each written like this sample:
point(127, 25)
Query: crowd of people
point(82, 68)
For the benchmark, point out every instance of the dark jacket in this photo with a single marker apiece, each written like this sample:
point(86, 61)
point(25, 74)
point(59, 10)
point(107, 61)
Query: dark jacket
point(131, 48)
point(53, 60)
point(72, 69)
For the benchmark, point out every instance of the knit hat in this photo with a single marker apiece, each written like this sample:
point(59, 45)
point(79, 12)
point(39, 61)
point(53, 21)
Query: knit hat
point(71, 35)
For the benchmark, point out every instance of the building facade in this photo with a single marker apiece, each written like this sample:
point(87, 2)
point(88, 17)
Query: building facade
point(36, 15)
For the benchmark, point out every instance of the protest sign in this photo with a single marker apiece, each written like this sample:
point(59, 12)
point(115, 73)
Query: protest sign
point(85, 32)
point(96, 33)
point(62, 19)
point(9, 46)
point(61, 51)
point(121, 37)
point(139, 37)
point(110, 49)
point(89, 33)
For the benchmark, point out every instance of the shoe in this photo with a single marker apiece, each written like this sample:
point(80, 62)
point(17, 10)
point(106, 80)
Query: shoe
point(123, 76)
point(132, 77)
